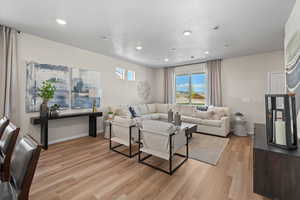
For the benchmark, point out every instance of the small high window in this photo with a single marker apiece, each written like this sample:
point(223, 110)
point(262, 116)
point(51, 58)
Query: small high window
point(120, 72)
point(130, 75)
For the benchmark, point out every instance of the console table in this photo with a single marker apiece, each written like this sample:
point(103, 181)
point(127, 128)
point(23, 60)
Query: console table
point(43, 122)
point(276, 172)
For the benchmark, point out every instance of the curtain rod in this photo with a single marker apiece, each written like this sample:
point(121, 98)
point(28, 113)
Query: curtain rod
point(192, 63)
point(11, 28)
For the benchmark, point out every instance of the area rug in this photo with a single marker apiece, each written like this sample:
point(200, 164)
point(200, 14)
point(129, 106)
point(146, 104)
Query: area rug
point(206, 148)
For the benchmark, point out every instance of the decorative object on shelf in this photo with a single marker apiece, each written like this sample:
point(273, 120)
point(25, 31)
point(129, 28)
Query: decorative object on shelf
point(110, 115)
point(46, 92)
point(240, 124)
point(177, 120)
point(143, 90)
point(93, 96)
point(170, 116)
point(281, 122)
point(54, 110)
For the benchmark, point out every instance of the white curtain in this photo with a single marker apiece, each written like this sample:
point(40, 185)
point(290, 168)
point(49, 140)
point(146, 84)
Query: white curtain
point(169, 85)
point(9, 72)
point(214, 82)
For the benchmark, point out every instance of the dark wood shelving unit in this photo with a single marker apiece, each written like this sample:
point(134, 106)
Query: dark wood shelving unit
point(43, 122)
point(276, 171)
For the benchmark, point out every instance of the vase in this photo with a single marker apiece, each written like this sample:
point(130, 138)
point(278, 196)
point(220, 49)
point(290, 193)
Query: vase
point(44, 110)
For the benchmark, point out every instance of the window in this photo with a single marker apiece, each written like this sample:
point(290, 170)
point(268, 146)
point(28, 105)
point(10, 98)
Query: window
point(120, 72)
point(191, 88)
point(130, 75)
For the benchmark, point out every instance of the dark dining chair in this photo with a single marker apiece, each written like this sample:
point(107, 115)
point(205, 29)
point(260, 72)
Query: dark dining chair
point(7, 145)
point(3, 123)
point(23, 165)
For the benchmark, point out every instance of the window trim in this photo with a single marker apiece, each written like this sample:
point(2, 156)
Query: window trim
point(133, 72)
point(189, 74)
point(122, 77)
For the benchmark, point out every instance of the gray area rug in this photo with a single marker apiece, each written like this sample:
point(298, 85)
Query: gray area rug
point(206, 148)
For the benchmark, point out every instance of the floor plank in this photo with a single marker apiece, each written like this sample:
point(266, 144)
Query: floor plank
point(84, 169)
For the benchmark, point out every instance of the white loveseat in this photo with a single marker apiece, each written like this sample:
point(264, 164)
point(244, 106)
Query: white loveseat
point(214, 121)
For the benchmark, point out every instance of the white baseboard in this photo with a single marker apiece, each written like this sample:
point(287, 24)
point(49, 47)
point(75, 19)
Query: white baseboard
point(72, 137)
point(69, 138)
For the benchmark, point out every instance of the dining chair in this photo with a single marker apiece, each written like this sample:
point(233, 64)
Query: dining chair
point(7, 145)
point(23, 166)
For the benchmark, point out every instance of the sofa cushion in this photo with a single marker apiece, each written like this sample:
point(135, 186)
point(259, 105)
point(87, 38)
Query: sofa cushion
point(163, 116)
point(203, 114)
point(209, 122)
point(220, 109)
point(189, 119)
point(187, 110)
point(132, 111)
point(151, 108)
point(143, 108)
point(154, 116)
point(162, 108)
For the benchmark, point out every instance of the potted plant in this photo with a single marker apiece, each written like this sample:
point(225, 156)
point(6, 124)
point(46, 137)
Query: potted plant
point(46, 92)
point(110, 115)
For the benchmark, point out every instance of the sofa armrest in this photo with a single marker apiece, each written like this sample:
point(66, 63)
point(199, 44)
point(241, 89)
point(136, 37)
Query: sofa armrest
point(226, 124)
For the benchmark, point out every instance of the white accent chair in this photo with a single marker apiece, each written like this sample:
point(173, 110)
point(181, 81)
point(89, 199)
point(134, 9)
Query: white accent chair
point(124, 132)
point(163, 140)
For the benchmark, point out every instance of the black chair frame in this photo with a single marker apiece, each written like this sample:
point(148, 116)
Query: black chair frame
point(114, 148)
point(171, 170)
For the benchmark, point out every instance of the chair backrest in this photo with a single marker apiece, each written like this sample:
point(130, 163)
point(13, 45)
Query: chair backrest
point(7, 145)
point(3, 123)
point(24, 161)
point(158, 126)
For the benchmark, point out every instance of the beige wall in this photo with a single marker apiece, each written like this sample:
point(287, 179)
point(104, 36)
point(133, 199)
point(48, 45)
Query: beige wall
point(245, 82)
point(158, 85)
point(115, 91)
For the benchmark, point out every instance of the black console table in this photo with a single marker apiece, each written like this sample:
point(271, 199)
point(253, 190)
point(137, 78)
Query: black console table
point(276, 172)
point(43, 121)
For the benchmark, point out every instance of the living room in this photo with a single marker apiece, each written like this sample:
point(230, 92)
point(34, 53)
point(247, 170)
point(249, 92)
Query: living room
point(116, 101)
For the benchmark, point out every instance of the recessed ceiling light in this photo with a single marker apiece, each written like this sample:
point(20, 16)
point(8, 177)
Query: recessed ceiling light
point(138, 48)
point(187, 33)
point(104, 37)
point(166, 59)
point(216, 27)
point(206, 52)
point(61, 21)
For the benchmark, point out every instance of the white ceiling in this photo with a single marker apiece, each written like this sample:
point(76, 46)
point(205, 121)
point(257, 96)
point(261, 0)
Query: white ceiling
point(246, 26)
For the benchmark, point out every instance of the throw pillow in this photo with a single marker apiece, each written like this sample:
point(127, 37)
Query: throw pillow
point(217, 115)
point(132, 112)
point(202, 108)
point(203, 114)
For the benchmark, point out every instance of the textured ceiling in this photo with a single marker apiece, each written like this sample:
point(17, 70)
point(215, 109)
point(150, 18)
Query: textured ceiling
point(245, 27)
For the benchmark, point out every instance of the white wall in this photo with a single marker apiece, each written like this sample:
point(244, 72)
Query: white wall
point(115, 91)
point(245, 82)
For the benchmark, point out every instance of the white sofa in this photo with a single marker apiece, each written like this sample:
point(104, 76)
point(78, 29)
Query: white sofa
point(214, 121)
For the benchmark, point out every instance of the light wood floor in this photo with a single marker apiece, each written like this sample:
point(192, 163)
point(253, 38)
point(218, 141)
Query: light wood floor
point(85, 169)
